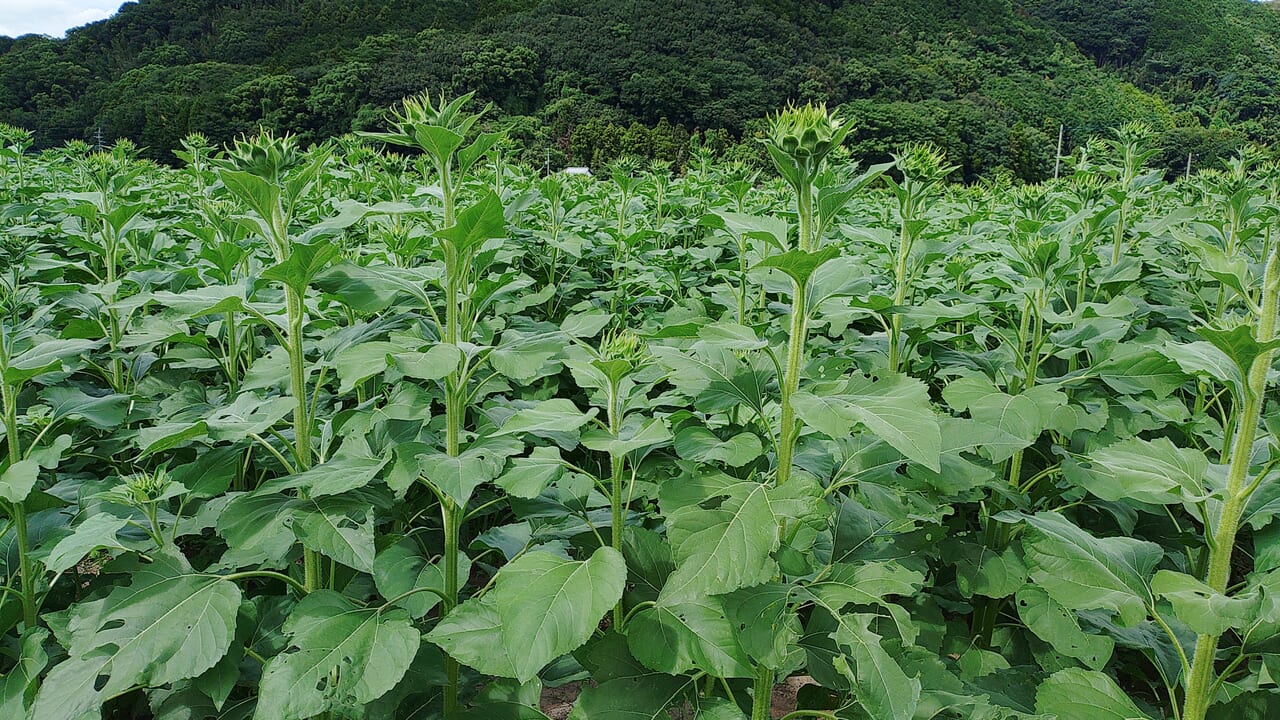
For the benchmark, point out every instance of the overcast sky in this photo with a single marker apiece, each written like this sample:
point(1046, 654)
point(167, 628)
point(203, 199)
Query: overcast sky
point(51, 17)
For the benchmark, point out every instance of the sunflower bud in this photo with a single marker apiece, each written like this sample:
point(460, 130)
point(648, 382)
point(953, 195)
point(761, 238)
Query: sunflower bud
point(265, 155)
point(624, 345)
point(146, 488)
point(807, 133)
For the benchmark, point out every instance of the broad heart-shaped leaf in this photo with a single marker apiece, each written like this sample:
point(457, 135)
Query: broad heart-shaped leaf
point(335, 476)
point(770, 229)
point(529, 476)
point(372, 289)
point(476, 224)
point(402, 567)
point(256, 528)
point(1204, 359)
point(1134, 369)
point(99, 531)
point(45, 356)
point(168, 624)
point(641, 697)
point(106, 412)
point(17, 480)
point(1156, 472)
point(359, 362)
point(1078, 694)
point(302, 266)
point(458, 477)
point(547, 419)
point(880, 685)
point(340, 657)
point(1239, 344)
point(722, 549)
point(1202, 608)
point(1082, 572)
point(437, 140)
point(339, 527)
point(636, 434)
point(1002, 423)
point(800, 265)
point(694, 635)
point(627, 688)
point(723, 530)
point(699, 444)
point(1059, 627)
point(248, 414)
point(262, 196)
point(768, 626)
point(541, 607)
point(18, 687)
point(894, 407)
point(435, 363)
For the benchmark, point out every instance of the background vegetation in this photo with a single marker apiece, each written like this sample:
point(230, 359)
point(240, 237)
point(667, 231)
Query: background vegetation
point(990, 81)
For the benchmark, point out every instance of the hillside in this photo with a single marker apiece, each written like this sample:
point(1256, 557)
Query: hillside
point(586, 81)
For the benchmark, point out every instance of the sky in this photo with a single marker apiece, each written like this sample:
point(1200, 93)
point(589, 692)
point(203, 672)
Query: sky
point(51, 17)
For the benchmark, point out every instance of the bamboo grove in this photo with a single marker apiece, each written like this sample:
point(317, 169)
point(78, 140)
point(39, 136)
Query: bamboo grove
point(392, 428)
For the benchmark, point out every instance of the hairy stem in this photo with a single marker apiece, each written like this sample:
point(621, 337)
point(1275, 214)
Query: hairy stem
point(1238, 491)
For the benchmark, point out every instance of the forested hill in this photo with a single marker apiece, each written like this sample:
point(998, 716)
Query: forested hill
point(588, 80)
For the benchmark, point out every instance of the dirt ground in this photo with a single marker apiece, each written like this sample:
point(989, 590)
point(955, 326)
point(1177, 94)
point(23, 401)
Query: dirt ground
point(557, 702)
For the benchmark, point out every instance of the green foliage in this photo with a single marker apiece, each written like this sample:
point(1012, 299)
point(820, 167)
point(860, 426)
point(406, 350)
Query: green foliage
point(296, 432)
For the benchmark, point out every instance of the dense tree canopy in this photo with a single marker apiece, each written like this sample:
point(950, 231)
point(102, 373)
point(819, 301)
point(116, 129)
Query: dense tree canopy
point(989, 80)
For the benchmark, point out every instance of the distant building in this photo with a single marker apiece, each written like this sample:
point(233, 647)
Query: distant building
point(577, 170)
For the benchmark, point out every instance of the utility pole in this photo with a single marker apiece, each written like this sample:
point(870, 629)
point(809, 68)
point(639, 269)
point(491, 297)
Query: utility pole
point(1057, 160)
point(1188, 175)
point(98, 137)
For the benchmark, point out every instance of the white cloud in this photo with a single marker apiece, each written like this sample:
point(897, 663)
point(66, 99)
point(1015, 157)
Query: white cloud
point(51, 17)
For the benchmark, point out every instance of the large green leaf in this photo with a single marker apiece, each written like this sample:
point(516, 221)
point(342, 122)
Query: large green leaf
point(1060, 628)
point(99, 531)
point(402, 568)
point(1076, 694)
point(541, 607)
point(894, 407)
point(335, 476)
point(18, 480)
point(478, 223)
point(304, 263)
point(1203, 609)
point(339, 527)
point(18, 687)
point(695, 635)
point(167, 625)
point(340, 656)
point(458, 476)
point(881, 686)
point(1154, 471)
point(45, 356)
point(1083, 572)
point(696, 442)
point(721, 549)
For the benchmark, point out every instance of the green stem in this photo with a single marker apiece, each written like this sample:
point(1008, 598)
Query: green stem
point(1119, 233)
point(762, 693)
point(295, 310)
point(906, 238)
point(233, 353)
point(617, 504)
point(9, 399)
point(1238, 491)
point(789, 430)
point(451, 517)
